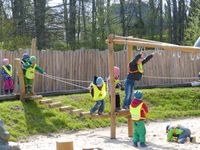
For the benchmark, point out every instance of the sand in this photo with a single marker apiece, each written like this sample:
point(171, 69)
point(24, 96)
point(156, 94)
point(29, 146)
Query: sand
point(100, 138)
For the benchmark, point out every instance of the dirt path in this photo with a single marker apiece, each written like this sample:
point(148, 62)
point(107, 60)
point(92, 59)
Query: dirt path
point(100, 138)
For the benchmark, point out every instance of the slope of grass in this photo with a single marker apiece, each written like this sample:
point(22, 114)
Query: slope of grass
point(24, 119)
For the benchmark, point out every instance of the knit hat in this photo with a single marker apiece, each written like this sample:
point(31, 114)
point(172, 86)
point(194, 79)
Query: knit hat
point(138, 94)
point(33, 58)
point(99, 81)
point(25, 56)
point(116, 72)
point(6, 61)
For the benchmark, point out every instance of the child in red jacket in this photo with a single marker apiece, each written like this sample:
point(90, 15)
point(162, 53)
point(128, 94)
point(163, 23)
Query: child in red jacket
point(139, 111)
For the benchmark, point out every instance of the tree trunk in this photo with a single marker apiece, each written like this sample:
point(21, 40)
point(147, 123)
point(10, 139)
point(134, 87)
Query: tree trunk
point(66, 21)
point(108, 17)
point(79, 20)
point(122, 17)
point(40, 10)
point(84, 20)
point(169, 21)
point(94, 41)
point(174, 22)
point(72, 24)
point(161, 20)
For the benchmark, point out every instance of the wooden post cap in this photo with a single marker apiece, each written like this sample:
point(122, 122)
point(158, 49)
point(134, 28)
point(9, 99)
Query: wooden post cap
point(64, 145)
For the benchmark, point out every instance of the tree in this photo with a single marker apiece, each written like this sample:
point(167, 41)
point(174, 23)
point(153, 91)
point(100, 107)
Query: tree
point(66, 20)
point(161, 20)
point(39, 11)
point(152, 18)
point(72, 24)
point(192, 31)
point(122, 17)
point(175, 22)
point(94, 35)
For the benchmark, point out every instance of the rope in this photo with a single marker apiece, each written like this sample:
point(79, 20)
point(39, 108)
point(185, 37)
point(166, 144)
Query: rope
point(67, 79)
point(172, 78)
point(49, 76)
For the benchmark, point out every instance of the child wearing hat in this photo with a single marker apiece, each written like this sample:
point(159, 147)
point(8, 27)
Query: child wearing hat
point(139, 111)
point(179, 134)
point(118, 86)
point(30, 68)
point(6, 72)
point(98, 91)
point(134, 74)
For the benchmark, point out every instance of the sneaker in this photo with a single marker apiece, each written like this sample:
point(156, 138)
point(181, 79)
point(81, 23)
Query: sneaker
point(143, 145)
point(193, 139)
point(135, 144)
point(125, 107)
point(99, 113)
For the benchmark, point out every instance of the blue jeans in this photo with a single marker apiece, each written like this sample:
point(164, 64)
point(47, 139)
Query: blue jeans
point(98, 105)
point(183, 137)
point(129, 86)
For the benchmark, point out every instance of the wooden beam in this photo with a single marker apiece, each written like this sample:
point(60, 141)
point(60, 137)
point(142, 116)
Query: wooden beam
point(65, 108)
point(34, 97)
point(139, 39)
point(102, 116)
point(54, 105)
point(130, 127)
point(76, 111)
point(122, 113)
point(162, 46)
point(129, 53)
point(46, 101)
point(21, 78)
point(112, 82)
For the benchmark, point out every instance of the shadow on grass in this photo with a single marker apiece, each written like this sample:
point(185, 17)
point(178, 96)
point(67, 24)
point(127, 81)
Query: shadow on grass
point(36, 119)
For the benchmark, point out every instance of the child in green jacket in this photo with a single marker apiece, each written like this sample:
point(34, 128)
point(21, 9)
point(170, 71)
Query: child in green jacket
point(179, 134)
point(31, 67)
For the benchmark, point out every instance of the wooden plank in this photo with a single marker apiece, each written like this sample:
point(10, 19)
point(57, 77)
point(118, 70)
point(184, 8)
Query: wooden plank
point(65, 108)
point(76, 111)
point(34, 97)
point(46, 101)
point(21, 78)
point(54, 105)
point(112, 82)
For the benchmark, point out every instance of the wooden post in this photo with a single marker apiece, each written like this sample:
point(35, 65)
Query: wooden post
point(33, 53)
point(64, 145)
point(21, 78)
point(130, 122)
point(111, 73)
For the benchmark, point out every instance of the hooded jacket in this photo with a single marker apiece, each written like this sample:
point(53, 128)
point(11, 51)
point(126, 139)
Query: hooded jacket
point(144, 110)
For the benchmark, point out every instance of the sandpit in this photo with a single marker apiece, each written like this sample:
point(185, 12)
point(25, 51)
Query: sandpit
point(100, 138)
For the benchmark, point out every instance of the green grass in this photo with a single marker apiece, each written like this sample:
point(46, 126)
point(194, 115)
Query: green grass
point(24, 119)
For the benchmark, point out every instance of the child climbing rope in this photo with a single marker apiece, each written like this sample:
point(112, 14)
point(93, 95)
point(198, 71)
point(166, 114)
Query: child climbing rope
point(98, 91)
point(31, 67)
point(139, 111)
point(179, 134)
point(7, 77)
point(135, 74)
point(118, 86)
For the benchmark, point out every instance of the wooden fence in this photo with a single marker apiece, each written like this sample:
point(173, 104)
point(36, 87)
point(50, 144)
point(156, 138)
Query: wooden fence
point(84, 64)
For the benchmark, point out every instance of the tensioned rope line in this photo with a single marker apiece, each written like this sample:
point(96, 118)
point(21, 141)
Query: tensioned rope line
point(79, 86)
point(171, 78)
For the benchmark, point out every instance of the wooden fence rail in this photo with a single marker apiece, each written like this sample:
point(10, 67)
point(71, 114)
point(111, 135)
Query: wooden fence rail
point(84, 64)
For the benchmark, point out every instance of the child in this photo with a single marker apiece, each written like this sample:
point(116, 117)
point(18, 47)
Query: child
point(117, 87)
point(139, 111)
point(31, 67)
point(135, 74)
point(98, 92)
point(179, 134)
point(25, 61)
point(7, 76)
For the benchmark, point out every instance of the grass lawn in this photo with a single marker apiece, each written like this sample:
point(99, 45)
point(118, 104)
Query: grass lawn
point(25, 119)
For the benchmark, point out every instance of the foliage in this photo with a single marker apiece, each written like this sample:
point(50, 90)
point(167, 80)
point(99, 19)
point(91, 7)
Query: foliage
point(25, 119)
